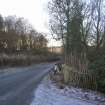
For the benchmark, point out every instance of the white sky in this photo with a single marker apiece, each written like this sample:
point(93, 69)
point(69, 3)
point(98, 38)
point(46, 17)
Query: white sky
point(35, 11)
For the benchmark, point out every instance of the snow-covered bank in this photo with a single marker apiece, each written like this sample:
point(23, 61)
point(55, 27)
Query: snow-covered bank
point(48, 94)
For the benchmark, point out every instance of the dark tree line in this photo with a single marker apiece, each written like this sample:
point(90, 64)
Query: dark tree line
point(17, 35)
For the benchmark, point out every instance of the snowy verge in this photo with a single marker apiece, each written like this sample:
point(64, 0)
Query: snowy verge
point(47, 93)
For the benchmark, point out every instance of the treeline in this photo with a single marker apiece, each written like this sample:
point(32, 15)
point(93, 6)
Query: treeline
point(18, 36)
point(80, 24)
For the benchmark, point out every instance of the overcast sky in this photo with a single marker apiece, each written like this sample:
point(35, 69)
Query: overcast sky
point(35, 11)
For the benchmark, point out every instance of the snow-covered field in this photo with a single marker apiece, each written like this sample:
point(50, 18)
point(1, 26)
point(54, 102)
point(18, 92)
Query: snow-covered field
point(47, 93)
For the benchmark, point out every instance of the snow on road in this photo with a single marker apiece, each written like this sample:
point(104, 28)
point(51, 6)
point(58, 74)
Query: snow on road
point(48, 94)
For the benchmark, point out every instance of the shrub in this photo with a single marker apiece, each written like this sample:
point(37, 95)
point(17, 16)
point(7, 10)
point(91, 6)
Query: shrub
point(97, 67)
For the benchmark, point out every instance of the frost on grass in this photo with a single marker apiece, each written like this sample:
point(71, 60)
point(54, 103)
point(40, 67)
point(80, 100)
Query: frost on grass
point(48, 94)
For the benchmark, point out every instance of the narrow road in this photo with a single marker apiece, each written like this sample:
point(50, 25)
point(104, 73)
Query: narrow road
point(17, 88)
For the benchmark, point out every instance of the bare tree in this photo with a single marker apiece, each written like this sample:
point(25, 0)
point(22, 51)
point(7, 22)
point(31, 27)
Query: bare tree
point(98, 22)
point(66, 21)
